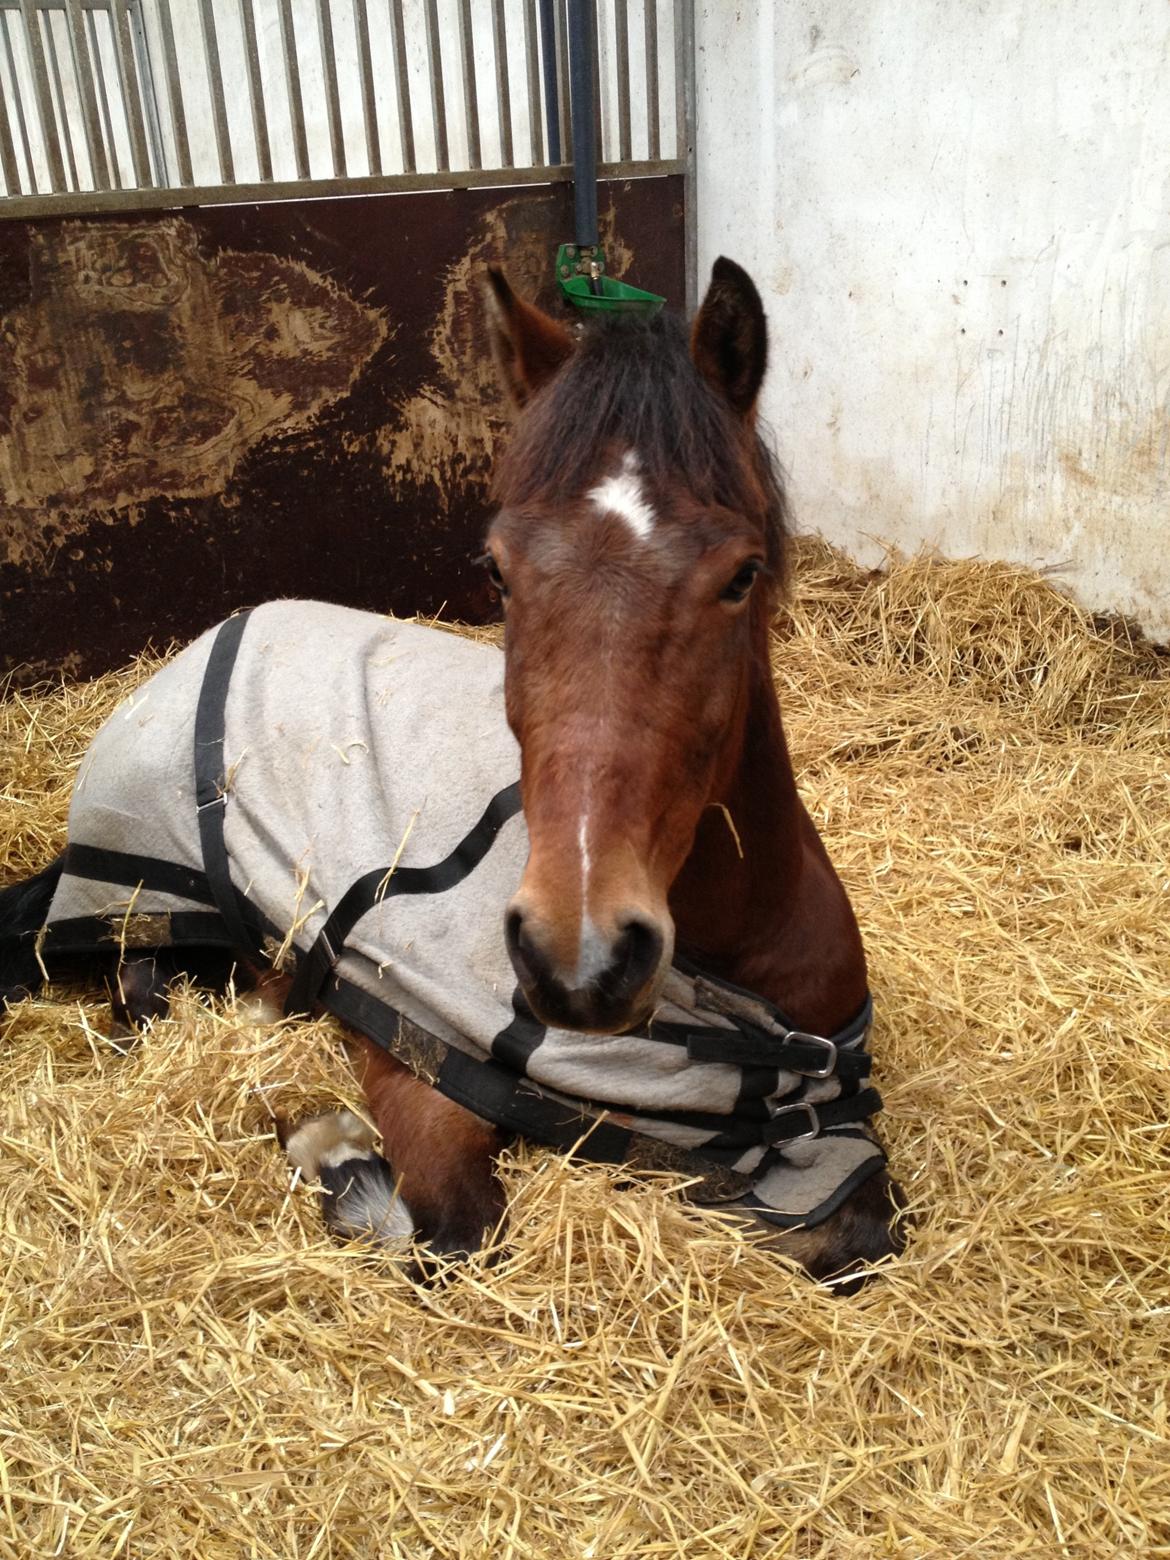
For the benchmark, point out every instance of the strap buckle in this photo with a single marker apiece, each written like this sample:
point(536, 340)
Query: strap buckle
point(799, 1037)
point(801, 1107)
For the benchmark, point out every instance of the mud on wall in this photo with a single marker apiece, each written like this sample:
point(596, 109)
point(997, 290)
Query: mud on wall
point(960, 219)
point(203, 409)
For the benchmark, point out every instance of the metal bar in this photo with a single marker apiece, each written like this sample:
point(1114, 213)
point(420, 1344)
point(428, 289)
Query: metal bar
point(470, 95)
point(532, 74)
point(98, 164)
point(19, 109)
point(256, 90)
point(622, 49)
point(42, 94)
point(548, 58)
point(563, 109)
point(292, 76)
point(684, 48)
point(332, 98)
point(95, 54)
point(653, 125)
point(361, 24)
point(7, 149)
point(131, 95)
point(174, 92)
point(402, 86)
point(223, 140)
point(503, 93)
point(59, 103)
point(438, 98)
point(581, 63)
point(21, 120)
point(680, 73)
point(89, 202)
point(160, 172)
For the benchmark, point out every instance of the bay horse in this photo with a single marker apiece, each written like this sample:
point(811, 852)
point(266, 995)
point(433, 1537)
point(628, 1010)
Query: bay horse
point(668, 865)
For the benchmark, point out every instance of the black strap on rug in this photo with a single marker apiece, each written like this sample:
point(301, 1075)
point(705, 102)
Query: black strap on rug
point(812, 1056)
point(211, 778)
point(100, 865)
point(314, 967)
point(589, 1130)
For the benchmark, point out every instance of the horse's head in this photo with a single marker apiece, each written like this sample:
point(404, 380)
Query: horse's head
point(637, 546)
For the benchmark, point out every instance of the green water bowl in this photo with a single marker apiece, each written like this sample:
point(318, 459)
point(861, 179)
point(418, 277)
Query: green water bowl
point(615, 297)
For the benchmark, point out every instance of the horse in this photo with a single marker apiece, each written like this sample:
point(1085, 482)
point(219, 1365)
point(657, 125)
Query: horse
point(682, 965)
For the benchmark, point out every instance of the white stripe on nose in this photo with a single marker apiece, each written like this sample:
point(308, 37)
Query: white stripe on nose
point(593, 951)
point(594, 954)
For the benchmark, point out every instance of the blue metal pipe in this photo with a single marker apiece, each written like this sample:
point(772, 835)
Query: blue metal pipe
point(584, 124)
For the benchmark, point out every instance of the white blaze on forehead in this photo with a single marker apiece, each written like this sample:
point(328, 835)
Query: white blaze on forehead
point(621, 495)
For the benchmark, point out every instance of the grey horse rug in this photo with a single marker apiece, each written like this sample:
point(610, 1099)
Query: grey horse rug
point(336, 793)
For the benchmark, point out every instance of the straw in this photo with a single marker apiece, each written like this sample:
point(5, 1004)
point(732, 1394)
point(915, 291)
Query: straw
point(188, 1367)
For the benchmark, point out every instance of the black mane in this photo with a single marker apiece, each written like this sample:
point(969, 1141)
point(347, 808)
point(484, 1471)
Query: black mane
point(631, 379)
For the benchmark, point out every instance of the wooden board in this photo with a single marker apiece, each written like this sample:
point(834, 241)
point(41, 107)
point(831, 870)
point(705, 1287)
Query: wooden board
point(202, 409)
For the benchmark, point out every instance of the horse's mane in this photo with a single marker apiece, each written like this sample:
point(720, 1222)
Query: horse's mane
point(631, 380)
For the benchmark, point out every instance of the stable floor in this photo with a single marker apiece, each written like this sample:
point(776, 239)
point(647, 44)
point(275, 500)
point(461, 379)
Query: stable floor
point(188, 1367)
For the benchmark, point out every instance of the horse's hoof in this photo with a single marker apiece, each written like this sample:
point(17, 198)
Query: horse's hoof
point(455, 1240)
point(139, 994)
point(842, 1252)
point(359, 1194)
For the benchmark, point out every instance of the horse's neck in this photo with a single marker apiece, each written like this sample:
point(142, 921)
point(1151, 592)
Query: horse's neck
point(760, 903)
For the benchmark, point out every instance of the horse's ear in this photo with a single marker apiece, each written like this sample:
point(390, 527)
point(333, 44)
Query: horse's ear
point(729, 340)
point(527, 345)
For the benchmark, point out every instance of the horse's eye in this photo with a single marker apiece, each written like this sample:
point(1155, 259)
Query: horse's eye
point(493, 569)
point(743, 581)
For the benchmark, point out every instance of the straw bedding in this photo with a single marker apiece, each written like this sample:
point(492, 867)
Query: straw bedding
point(187, 1367)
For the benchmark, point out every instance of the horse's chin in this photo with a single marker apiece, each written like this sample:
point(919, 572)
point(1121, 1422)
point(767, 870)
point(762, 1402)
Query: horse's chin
point(589, 1012)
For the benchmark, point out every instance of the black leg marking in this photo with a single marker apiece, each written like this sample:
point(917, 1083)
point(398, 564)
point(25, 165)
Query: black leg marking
point(359, 1193)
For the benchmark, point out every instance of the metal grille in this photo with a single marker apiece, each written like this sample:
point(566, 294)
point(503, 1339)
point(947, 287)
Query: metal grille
point(110, 104)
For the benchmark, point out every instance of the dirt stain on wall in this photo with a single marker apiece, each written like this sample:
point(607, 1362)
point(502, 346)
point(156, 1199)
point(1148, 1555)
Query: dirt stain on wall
point(449, 429)
point(142, 366)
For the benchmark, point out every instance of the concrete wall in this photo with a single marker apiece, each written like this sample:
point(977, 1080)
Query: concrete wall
point(959, 215)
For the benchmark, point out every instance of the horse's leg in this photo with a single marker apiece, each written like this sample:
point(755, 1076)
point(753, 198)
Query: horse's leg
point(359, 1197)
point(138, 992)
point(443, 1157)
point(867, 1227)
point(438, 1181)
point(140, 985)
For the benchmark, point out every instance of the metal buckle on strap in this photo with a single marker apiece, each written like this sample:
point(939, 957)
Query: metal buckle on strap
point(810, 1115)
point(218, 800)
point(799, 1037)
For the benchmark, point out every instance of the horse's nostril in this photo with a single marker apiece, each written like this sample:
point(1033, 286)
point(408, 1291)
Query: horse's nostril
point(520, 948)
point(636, 956)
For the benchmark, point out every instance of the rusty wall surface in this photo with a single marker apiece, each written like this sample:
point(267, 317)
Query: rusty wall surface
point(203, 409)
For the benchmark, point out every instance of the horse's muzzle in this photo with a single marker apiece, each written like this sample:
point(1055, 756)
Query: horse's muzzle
point(619, 990)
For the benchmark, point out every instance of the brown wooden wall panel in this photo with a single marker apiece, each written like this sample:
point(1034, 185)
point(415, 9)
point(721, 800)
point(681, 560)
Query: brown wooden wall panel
point(203, 409)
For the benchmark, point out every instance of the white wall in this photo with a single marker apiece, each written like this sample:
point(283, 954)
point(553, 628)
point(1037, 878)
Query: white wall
point(959, 215)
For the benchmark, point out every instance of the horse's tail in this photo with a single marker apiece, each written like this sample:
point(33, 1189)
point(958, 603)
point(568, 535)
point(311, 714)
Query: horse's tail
point(24, 908)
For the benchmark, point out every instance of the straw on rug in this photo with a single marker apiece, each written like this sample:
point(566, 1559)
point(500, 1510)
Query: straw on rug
point(188, 1367)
